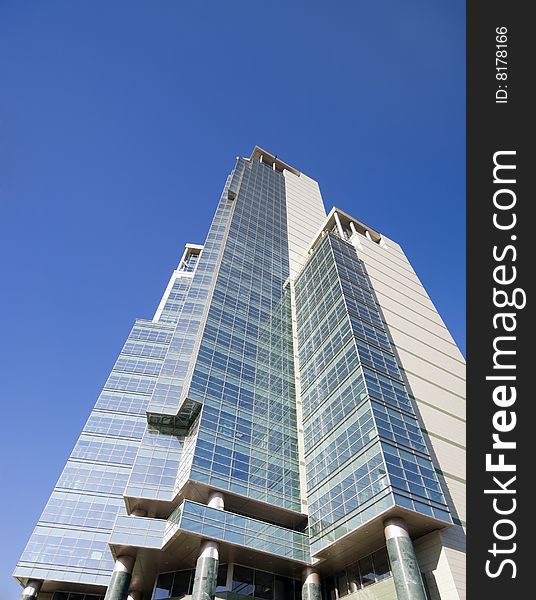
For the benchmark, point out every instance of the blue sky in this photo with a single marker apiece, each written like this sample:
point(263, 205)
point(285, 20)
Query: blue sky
point(119, 122)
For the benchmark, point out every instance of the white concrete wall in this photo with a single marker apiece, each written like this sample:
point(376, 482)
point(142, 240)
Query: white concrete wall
point(305, 216)
point(435, 369)
point(441, 557)
point(384, 590)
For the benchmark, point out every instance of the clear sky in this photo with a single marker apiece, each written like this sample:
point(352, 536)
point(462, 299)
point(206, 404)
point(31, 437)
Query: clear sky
point(119, 122)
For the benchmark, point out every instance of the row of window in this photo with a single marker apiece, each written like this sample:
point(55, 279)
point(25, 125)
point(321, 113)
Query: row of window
point(81, 510)
point(355, 485)
point(370, 569)
point(93, 477)
point(101, 449)
point(75, 596)
point(344, 402)
point(135, 404)
point(175, 300)
point(82, 549)
point(245, 581)
point(142, 384)
point(331, 379)
point(144, 348)
point(344, 444)
point(151, 334)
point(119, 425)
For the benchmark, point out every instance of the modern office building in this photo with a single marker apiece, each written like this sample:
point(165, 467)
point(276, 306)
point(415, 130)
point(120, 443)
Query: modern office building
point(290, 424)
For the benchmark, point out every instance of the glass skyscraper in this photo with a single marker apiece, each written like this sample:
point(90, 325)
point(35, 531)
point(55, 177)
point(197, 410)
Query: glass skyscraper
point(290, 424)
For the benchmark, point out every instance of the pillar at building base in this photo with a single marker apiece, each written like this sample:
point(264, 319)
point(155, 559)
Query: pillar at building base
point(31, 591)
point(216, 500)
point(206, 572)
point(206, 568)
point(134, 595)
point(311, 588)
point(406, 572)
point(120, 580)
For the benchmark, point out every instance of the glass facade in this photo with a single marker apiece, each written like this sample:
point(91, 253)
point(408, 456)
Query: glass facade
point(281, 392)
point(243, 375)
point(70, 541)
point(168, 392)
point(364, 449)
point(238, 530)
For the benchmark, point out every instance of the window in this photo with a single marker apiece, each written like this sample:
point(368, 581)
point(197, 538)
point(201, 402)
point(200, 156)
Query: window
point(163, 586)
point(370, 569)
point(243, 580)
point(174, 585)
point(283, 588)
point(381, 564)
point(221, 583)
point(264, 585)
point(342, 584)
point(331, 588)
point(181, 584)
point(354, 580)
point(367, 571)
point(246, 582)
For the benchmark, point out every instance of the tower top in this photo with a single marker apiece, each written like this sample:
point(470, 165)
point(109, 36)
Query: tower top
point(271, 159)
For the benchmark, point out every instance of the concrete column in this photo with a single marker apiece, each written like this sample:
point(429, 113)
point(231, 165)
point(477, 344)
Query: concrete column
point(31, 591)
point(206, 568)
point(215, 500)
point(120, 580)
point(311, 589)
point(134, 595)
point(404, 565)
point(206, 572)
point(229, 580)
point(339, 225)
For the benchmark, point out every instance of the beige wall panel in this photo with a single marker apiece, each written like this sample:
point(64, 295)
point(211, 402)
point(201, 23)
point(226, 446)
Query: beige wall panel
point(458, 494)
point(443, 353)
point(442, 340)
point(442, 424)
point(384, 590)
point(391, 267)
point(414, 365)
point(436, 560)
point(451, 458)
point(305, 215)
point(416, 320)
point(409, 284)
point(436, 396)
point(407, 298)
